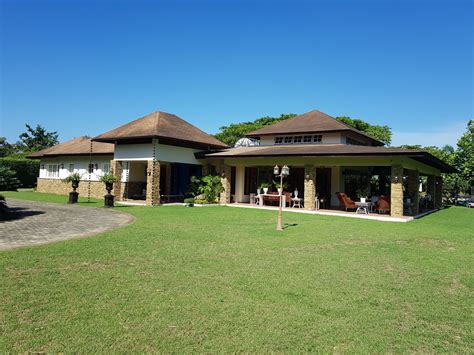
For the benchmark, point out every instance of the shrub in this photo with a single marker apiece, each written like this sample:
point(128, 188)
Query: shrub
point(73, 178)
point(109, 178)
point(26, 169)
point(8, 180)
point(189, 200)
point(211, 187)
point(2, 198)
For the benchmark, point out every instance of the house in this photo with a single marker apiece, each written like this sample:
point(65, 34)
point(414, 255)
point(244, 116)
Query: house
point(157, 154)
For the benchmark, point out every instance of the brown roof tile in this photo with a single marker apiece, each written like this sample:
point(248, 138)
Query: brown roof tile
point(76, 146)
point(161, 125)
point(309, 122)
point(330, 150)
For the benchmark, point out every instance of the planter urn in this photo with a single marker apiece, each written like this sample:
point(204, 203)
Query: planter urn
point(109, 198)
point(74, 195)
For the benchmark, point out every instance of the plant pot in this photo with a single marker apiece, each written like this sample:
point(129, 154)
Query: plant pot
point(109, 186)
point(73, 196)
point(75, 185)
point(280, 190)
point(188, 204)
point(362, 199)
point(109, 200)
point(265, 190)
point(259, 191)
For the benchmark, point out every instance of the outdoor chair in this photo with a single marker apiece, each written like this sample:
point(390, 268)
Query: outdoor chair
point(382, 205)
point(346, 202)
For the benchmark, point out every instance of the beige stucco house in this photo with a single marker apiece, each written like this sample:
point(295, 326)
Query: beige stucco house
point(156, 155)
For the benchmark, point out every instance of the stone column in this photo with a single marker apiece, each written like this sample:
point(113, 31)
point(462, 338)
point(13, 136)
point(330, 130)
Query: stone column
point(225, 172)
point(116, 168)
point(438, 201)
point(396, 191)
point(153, 183)
point(431, 189)
point(309, 187)
point(413, 186)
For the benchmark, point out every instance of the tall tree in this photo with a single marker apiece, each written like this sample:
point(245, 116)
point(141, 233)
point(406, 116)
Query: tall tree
point(35, 139)
point(233, 132)
point(465, 155)
point(382, 133)
point(6, 148)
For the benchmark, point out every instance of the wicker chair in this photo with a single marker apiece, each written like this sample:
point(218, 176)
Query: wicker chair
point(345, 201)
point(382, 205)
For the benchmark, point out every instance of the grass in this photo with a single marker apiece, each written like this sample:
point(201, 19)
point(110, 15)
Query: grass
point(222, 279)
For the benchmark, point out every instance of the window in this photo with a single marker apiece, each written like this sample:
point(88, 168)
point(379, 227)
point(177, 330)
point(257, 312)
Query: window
point(53, 170)
point(288, 140)
point(297, 139)
point(90, 168)
point(317, 138)
point(307, 139)
point(278, 140)
point(106, 168)
point(71, 168)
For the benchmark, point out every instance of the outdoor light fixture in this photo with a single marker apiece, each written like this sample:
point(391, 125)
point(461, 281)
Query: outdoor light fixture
point(223, 175)
point(285, 171)
point(396, 178)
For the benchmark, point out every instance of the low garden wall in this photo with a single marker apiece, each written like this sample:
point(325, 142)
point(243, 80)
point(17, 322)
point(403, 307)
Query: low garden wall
point(56, 186)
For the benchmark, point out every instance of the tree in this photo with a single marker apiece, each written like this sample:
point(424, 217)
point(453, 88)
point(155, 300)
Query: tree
point(382, 133)
point(233, 132)
point(6, 149)
point(464, 160)
point(35, 139)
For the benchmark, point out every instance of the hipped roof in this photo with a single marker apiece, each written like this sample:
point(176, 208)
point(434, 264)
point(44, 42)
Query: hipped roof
point(76, 146)
point(331, 150)
point(160, 125)
point(309, 122)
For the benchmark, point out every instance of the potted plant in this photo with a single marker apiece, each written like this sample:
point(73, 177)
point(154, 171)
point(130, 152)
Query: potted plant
point(189, 202)
point(278, 187)
point(74, 179)
point(362, 193)
point(265, 186)
point(109, 179)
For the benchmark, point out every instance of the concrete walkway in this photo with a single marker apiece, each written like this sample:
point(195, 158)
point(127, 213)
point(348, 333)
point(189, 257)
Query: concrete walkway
point(34, 223)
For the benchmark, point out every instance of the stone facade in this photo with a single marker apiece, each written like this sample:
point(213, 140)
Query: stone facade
point(309, 187)
point(413, 185)
point(94, 189)
point(153, 183)
point(116, 168)
point(225, 172)
point(396, 191)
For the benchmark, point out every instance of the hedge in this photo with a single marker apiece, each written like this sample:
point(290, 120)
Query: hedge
point(26, 169)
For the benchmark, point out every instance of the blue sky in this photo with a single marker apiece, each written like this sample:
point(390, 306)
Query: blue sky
point(85, 67)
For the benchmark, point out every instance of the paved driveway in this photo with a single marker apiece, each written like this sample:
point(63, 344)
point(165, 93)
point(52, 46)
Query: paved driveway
point(40, 223)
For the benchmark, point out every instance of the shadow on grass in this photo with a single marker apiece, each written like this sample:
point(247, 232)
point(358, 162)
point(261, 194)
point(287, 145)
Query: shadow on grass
point(289, 225)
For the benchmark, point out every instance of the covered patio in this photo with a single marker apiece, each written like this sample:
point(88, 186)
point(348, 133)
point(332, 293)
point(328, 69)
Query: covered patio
point(367, 181)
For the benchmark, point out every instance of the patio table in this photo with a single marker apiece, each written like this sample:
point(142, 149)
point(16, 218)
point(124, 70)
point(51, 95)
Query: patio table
point(363, 207)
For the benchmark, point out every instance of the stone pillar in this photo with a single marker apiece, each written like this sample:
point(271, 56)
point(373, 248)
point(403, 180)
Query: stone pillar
point(396, 191)
point(116, 168)
point(153, 183)
point(431, 189)
point(413, 186)
point(225, 172)
point(438, 200)
point(309, 187)
point(239, 183)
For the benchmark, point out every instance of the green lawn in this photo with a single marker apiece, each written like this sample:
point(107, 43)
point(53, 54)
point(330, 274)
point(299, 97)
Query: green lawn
point(222, 279)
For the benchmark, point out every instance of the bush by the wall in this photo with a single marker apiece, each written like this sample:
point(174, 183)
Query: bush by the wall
point(26, 169)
